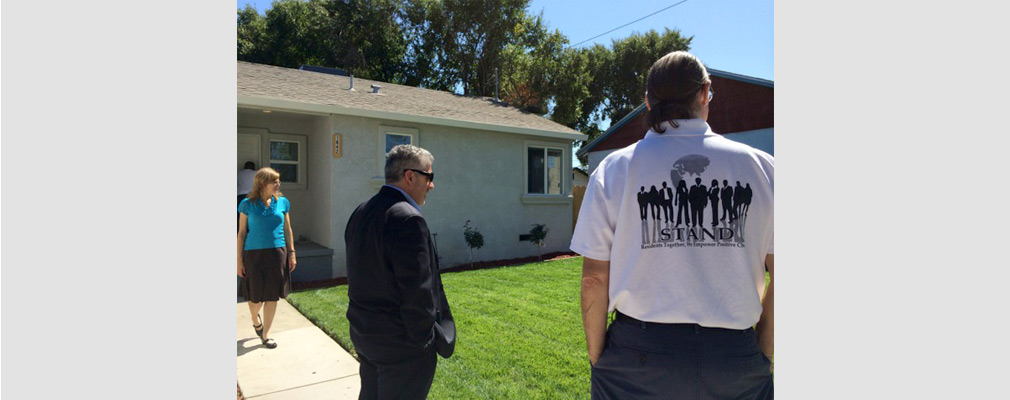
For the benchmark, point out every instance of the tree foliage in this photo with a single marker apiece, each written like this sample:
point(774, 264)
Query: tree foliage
point(474, 239)
point(538, 235)
point(363, 36)
point(468, 46)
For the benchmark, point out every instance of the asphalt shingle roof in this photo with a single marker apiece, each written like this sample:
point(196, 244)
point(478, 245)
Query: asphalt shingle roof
point(267, 81)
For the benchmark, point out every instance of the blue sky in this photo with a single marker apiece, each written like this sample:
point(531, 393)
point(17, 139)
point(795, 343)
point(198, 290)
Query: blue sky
point(730, 35)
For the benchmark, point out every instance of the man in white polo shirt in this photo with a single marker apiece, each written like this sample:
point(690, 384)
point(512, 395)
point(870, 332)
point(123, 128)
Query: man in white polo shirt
point(686, 302)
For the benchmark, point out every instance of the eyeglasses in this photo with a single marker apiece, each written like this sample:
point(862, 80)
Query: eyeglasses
point(711, 92)
point(430, 175)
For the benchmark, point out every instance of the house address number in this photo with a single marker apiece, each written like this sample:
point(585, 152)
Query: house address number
point(337, 143)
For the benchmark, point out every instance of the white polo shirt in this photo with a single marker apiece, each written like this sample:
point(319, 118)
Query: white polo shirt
point(660, 271)
point(245, 180)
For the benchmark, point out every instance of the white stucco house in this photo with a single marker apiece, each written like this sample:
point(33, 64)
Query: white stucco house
point(579, 177)
point(496, 166)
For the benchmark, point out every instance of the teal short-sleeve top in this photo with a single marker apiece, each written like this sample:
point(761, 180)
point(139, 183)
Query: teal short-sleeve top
point(266, 224)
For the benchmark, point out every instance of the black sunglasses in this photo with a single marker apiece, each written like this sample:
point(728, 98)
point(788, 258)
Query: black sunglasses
point(430, 175)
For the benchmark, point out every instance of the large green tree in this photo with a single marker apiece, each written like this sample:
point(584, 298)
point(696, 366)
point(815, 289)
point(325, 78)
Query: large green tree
point(533, 67)
point(363, 36)
point(629, 67)
point(618, 76)
point(251, 36)
point(460, 43)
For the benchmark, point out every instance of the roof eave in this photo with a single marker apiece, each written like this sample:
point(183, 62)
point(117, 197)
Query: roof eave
point(742, 78)
point(326, 109)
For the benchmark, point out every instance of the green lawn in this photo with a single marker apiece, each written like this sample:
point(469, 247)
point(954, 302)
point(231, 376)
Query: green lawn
point(519, 331)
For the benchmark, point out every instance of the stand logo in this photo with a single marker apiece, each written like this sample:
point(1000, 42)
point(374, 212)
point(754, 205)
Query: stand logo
point(728, 206)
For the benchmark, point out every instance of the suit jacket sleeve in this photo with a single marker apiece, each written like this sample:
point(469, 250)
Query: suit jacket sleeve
point(406, 246)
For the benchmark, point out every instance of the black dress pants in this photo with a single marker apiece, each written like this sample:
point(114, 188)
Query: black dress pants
point(396, 376)
point(643, 360)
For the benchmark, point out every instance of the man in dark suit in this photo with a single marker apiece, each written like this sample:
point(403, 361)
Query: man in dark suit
point(727, 201)
point(699, 200)
point(713, 197)
point(398, 312)
point(667, 202)
point(643, 203)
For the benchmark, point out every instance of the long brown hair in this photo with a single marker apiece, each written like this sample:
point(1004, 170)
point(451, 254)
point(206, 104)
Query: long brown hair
point(264, 176)
point(671, 88)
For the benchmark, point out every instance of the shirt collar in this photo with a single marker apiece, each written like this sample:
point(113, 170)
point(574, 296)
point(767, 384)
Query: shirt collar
point(409, 199)
point(693, 126)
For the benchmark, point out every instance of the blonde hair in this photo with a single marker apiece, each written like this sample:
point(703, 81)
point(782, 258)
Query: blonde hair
point(264, 176)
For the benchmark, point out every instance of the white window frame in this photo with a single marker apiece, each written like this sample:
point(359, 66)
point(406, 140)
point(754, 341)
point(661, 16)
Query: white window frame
point(384, 130)
point(566, 181)
point(302, 163)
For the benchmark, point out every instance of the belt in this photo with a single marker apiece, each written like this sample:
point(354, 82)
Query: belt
point(677, 326)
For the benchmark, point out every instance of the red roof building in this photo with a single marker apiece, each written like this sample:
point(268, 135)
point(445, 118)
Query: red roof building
point(743, 109)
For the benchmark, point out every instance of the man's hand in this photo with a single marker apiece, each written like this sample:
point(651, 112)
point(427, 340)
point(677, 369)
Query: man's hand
point(765, 328)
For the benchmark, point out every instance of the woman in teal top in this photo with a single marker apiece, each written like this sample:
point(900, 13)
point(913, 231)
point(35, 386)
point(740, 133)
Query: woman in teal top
point(266, 251)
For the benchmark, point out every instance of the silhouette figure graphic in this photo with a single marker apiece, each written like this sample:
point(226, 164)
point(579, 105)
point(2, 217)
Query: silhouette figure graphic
point(654, 202)
point(727, 201)
point(666, 202)
point(681, 202)
point(643, 202)
point(713, 196)
point(747, 194)
point(699, 199)
point(737, 199)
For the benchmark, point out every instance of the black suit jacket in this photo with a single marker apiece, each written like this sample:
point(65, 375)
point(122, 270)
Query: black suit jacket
point(397, 302)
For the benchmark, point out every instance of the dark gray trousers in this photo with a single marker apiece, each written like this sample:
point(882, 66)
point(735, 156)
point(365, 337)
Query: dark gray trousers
point(644, 360)
point(396, 376)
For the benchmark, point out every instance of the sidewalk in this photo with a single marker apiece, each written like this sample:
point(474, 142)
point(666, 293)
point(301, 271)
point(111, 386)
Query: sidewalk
point(307, 364)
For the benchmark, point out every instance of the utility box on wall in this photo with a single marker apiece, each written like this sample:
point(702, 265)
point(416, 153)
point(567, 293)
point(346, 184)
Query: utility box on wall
point(315, 262)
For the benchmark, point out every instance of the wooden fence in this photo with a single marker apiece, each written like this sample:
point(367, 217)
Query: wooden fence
point(578, 192)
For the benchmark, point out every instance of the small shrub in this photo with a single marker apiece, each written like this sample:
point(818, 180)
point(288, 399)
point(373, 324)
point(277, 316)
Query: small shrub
point(474, 240)
point(538, 235)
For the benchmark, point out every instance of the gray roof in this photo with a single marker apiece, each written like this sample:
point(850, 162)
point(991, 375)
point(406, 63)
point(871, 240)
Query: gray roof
point(270, 82)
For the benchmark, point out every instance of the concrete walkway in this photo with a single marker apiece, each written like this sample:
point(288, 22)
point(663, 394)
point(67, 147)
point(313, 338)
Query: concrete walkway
point(307, 364)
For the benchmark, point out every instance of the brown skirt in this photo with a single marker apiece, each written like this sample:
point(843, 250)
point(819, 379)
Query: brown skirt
point(266, 275)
